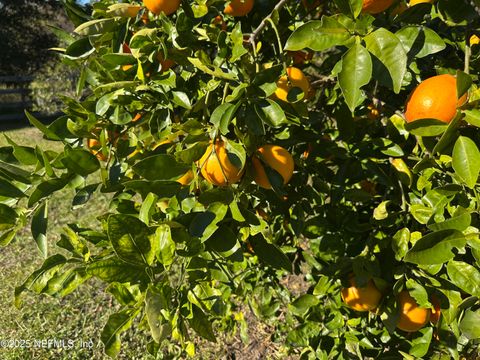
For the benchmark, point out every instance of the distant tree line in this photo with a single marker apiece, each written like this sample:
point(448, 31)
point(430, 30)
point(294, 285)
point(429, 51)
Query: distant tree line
point(25, 36)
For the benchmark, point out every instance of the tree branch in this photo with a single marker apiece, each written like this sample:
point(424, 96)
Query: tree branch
point(262, 25)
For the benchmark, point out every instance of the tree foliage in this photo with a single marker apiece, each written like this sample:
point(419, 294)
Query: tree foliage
point(388, 201)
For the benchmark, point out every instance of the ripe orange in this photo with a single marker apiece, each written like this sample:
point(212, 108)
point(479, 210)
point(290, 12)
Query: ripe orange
point(216, 166)
point(276, 157)
point(376, 6)
point(239, 7)
point(96, 149)
point(415, 2)
point(218, 21)
point(361, 299)
point(186, 178)
point(300, 57)
point(158, 6)
point(137, 117)
point(434, 98)
point(294, 78)
point(474, 40)
point(412, 317)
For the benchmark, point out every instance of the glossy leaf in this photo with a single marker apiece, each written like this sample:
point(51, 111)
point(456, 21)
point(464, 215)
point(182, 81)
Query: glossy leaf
point(318, 35)
point(436, 248)
point(388, 49)
point(356, 72)
point(465, 276)
point(466, 161)
point(130, 240)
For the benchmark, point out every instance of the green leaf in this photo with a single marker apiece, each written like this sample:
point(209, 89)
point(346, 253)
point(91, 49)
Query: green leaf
point(155, 302)
point(465, 276)
point(93, 27)
point(66, 282)
point(472, 117)
point(318, 35)
point(436, 248)
point(45, 130)
point(219, 194)
point(350, 7)
point(302, 304)
point(181, 99)
point(8, 217)
point(223, 241)
point(38, 280)
point(387, 48)
point(356, 72)
point(216, 72)
point(160, 167)
point(114, 270)
point(270, 253)
point(80, 49)
point(419, 41)
point(130, 240)
point(204, 224)
point(400, 243)
point(466, 161)
point(464, 82)
point(458, 222)
point(421, 344)
point(39, 227)
point(469, 325)
point(80, 161)
point(222, 116)
point(166, 246)
point(238, 49)
point(201, 324)
point(9, 190)
point(426, 127)
point(24, 154)
point(117, 323)
point(47, 188)
point(270, 112)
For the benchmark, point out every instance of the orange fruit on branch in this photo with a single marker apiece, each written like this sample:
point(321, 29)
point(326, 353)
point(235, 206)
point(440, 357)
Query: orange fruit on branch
point(96, 149)
point(277, 158)
point(474, 40)
point(166, 6)
point(217, 167)
point(295, 78)
point(186, 178)
point(412, 317)
point(361, 298)
point(415, 2)
point(239, 7)
point(376, 6)
point(434, 98)
point(218, 21)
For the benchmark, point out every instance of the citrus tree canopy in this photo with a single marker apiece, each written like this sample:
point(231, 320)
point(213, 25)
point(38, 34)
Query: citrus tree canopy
point(245, 144)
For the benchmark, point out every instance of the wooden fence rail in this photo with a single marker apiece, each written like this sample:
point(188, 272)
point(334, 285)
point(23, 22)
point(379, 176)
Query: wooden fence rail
point(15, 99)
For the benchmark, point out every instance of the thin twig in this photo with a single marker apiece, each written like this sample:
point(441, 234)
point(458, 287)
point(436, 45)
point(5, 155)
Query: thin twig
point(262, 25)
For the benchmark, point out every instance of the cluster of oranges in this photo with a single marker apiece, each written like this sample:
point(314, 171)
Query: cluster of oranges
point(218, 169)
point(411, 317)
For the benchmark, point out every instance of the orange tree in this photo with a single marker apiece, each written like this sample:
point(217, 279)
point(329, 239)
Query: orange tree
point(244, 141)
